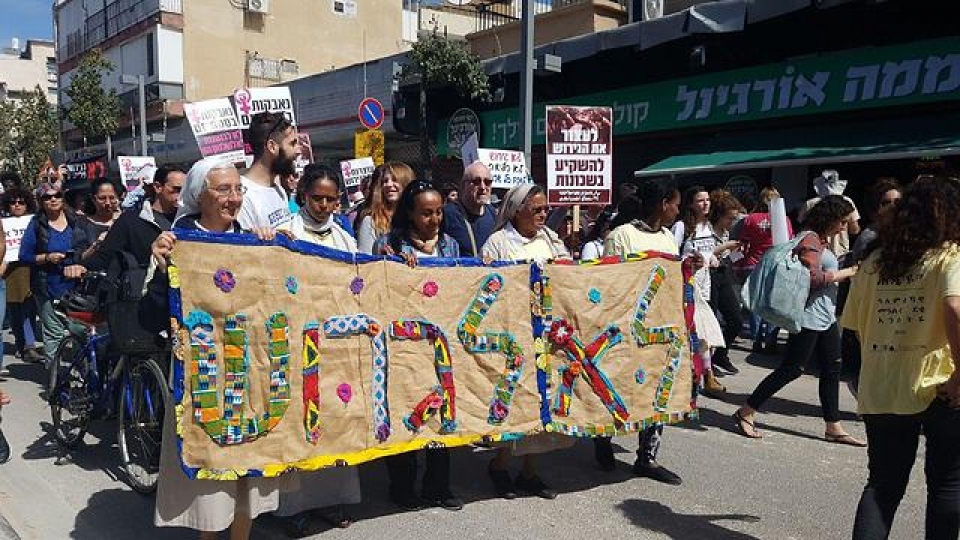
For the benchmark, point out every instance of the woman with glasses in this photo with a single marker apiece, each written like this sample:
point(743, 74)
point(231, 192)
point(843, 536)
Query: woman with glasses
point(389, 181)
point(54, 239)
point(520, 234)
point(416, 232)
point(211, 200)
point(102, 207)
point(20, 303)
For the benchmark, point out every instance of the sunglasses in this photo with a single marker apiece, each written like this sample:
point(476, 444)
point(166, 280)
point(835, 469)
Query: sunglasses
point(50, 196)
point(17, 201)
point(478, 181)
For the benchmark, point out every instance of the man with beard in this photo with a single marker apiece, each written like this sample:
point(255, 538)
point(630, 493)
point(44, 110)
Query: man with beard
point(470, 219)
point(275, 147)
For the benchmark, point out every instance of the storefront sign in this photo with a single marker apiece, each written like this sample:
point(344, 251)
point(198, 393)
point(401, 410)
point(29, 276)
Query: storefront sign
point(579, 155)
point(216, 128)
point(919, 72)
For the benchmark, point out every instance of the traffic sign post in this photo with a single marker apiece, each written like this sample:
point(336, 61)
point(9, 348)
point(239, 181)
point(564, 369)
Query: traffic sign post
point(370, 113)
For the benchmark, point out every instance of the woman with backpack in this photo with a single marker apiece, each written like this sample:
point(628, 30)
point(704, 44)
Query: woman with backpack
point(819, 336)
point(905, 306)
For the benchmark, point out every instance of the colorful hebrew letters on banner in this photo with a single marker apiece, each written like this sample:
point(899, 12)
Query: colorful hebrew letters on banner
point(448, 353)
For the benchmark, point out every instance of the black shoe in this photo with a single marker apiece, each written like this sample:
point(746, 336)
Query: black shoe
point(407, 501)
point(657, 472)
point(534, 486)
point(502, 484)
point(443, 499)
point(723, 362)
point(603, 452)
point(771, 349)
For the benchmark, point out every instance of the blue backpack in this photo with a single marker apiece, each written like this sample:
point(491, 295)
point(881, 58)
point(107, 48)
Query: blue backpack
point(778, 287)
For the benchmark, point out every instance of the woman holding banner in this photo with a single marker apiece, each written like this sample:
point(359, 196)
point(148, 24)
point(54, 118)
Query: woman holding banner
point(416, 231)
point(520, 233)
point(389, 181)
point(211, 200)
point(318, 197)
point(644, 221)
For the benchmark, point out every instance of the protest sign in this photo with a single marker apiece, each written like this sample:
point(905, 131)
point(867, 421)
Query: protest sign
point(579, 155)
point(13, 229)
point(507, 167)
point(216, 128)
point(305, 157)
point(251, 101)
point(304, 357)
point(355, 170)
point(136, 170)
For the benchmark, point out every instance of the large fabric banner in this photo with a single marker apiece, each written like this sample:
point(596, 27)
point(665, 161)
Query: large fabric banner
point(293, 356)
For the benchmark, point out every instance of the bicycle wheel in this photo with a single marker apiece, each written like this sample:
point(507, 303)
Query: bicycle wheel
point(70, 401)
point(140, 422)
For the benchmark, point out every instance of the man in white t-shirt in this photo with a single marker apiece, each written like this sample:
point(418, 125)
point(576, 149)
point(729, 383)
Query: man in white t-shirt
point(275, 148)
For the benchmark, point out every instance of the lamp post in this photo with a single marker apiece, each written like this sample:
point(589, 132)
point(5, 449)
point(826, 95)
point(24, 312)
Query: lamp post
point(527, 66)
point(138, 80)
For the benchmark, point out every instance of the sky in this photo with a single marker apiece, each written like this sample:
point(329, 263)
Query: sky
point(25, 19)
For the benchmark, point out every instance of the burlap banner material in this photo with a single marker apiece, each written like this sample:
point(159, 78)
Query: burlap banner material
point(291, 356)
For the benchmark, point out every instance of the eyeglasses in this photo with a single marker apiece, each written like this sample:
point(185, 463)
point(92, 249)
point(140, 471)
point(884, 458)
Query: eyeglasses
point(224, 192)
point(540, 210)
point(49, 196)
point(16, 201)
point(477, 181)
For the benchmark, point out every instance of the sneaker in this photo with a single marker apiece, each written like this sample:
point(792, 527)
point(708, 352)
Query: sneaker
point(535, 486)
point(502, 484)
point(603, 453)
point(657, 472)
point(723, 362)
point(443, 499)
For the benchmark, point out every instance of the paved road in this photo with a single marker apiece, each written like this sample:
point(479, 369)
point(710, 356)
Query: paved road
point(790, 485)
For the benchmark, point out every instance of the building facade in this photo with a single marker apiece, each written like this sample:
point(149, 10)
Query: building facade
point(22, 71)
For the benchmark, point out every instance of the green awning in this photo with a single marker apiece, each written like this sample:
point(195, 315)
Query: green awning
point(902, 139)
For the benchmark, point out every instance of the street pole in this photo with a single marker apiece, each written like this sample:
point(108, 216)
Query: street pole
point(527, 65)
point(143, 115)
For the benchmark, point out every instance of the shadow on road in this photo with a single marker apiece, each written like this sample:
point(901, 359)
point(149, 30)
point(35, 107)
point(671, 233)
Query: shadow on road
point(102, 456)
point(657, 517)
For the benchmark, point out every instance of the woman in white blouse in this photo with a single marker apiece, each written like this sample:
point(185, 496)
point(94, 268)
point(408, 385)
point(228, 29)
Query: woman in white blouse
point(318, 195)
point(520, 234)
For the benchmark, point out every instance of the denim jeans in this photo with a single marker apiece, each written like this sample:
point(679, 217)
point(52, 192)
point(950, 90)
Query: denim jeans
point(892, 450)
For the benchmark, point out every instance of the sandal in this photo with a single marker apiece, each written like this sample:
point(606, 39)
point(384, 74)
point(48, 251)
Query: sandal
point(741, 421)
point(844, 438)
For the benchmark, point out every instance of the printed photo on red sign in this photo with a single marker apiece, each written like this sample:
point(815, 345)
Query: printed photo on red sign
point(579, 155)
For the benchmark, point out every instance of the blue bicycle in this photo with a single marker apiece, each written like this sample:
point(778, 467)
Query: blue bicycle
point(87, 383)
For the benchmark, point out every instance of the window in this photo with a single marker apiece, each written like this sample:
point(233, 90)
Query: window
point(151, 57)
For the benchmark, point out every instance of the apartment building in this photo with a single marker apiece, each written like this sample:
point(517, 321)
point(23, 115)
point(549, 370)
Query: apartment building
point(196, 50)
point(21, 71)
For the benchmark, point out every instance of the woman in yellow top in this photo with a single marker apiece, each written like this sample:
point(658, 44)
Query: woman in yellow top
point(905, 306)
point(520, 234)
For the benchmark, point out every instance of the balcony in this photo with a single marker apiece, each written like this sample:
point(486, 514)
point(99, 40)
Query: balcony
point(498, 23)
point(111, 21)
point(493, 13)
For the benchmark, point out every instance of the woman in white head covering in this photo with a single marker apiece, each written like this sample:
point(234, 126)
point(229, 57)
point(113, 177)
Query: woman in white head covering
point(520, 232)
point(211, 199)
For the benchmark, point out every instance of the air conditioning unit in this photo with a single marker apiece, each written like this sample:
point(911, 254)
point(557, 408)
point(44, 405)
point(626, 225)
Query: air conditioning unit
point(258, 6)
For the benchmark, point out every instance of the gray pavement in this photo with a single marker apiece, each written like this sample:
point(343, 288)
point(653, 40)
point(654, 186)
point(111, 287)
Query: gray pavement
point(789, 485)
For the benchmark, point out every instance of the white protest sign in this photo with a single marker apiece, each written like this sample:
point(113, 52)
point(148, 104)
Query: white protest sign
point(136, 171)
point(251, 101)
point(355, 170)
point(13, 228)
point(216, 127)
point(508, 168)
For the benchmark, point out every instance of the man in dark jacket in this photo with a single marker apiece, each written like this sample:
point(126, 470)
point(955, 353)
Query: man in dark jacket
point(470, 220)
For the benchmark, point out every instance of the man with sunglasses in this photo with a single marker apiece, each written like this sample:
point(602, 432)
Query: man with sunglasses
point(471, 218)
point(275, 150)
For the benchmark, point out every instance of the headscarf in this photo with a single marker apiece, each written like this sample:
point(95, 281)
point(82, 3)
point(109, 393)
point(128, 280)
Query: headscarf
point(196, 183)
point(829, 183)
point(512, 203)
